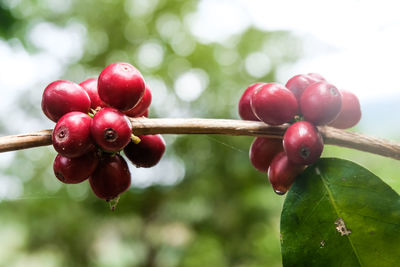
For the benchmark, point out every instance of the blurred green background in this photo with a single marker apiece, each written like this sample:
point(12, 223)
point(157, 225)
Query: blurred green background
point(204, 204)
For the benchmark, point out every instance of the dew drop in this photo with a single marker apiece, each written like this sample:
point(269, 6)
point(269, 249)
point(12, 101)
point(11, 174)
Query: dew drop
point(279, 192)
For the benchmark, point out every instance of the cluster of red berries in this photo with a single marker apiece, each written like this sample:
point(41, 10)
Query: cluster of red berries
point(93, 128)
point(306, 101)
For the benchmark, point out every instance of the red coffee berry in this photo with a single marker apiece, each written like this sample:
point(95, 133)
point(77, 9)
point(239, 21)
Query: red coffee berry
point(111, 177)
point(282, 173)
point(121, 86)
point(320, 103)
point(144, 114)
point(142, 106)
point(74, 170)
point(61, 97)
point(350, 113)
point(297, 84)
point(245, 111)
point(302, 143)
point(90, 86)
point(316, 76)
point(111, 129)
point(263, 150)
point(148, 152)
point(274, 104)
point(71, 135)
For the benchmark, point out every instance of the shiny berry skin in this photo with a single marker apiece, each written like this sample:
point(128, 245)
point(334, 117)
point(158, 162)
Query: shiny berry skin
point(90, 86)
point(142, 106)
point(74, 170)
point(282, 173)
point(263, 150)
point(121, 86)
point(350, 113)
point(297, 84)
point(274, 104)
point(303, 143)
point(148, 152)
point(316, 76)
point(61, 97)
point(245, 111)
point(320, 103)
point(71, 135)
point(111, 129)
point(111, 177)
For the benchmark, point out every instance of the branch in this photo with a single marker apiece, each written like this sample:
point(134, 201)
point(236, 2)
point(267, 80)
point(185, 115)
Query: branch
point(143, 126)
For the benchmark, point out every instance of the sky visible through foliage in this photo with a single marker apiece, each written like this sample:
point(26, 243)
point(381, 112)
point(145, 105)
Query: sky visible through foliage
point(203, 204)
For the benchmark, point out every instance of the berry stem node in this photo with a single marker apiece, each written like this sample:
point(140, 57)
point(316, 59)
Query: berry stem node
point(136, 140)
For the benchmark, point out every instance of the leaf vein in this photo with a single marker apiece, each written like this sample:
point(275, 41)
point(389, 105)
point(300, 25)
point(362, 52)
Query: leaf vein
point(332, 200)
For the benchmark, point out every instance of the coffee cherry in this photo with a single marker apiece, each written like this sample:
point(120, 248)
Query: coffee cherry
point(282, 173)
point(90, 86)
point(148, 152)
point(274, 104)
point(144, 114)
point(142, 106)
point(263, 150)
point(61, 97)
point(320, 103)
point(297, 84)
point(111, 177)
point(302, 143)
point(350, 113)
point(245, 111)
point(316, 76)
point(121, 86)
point(75, 170)
point(71, 135)
point(111, 129)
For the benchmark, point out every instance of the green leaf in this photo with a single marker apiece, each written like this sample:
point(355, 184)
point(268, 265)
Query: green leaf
point(337, 213)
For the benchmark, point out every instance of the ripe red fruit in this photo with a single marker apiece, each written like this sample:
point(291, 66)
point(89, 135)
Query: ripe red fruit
point(350, 113)
point(142, 106)
point(302, 143)
point(282, 173)
point(111, 177)
point(144, 114)
point(75, 170)
point(111, 129)
point(121, 86)
point(320, 103)
point(297, 84)
point(61, 97)
point(263, 150)
point(148, 152)
point(274, 104)
point(316, 76)
point(90, 86)
point(71, 135)
point(245, 111)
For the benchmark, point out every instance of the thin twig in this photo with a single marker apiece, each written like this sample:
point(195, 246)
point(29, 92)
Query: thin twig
point(142, 126)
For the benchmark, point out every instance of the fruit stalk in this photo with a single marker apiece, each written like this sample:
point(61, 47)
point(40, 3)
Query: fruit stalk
point(144, 126)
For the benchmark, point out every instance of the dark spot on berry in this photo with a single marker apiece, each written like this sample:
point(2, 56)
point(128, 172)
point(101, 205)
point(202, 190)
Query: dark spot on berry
point(304, 152)
point(110, 135)
point(60, 176)
point(333, 91)
point(62, 134)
